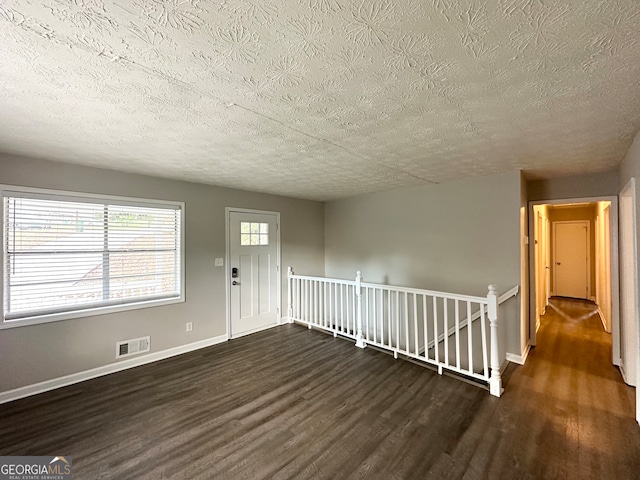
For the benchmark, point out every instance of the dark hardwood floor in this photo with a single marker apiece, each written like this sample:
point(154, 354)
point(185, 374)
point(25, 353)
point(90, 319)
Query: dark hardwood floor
point(294, 403)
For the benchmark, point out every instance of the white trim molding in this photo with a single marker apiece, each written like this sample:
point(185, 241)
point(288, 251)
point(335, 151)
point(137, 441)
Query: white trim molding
point(601, 313)
point(519, 359)
point(34, 389)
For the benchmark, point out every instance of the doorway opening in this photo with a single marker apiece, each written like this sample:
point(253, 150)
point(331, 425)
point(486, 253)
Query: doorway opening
point(573, 251)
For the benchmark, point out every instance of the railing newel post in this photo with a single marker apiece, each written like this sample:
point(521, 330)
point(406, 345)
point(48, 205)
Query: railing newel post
point(360, 343)
point(289, 297)
point(495, 382)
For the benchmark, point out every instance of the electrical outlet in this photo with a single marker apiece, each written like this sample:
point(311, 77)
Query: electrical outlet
point(189, 326)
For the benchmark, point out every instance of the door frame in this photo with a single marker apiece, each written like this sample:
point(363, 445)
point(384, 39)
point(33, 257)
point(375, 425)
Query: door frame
point(555, 252)
point(629, 191)
point(541, 227)
point(615, 268)
point(227, 223)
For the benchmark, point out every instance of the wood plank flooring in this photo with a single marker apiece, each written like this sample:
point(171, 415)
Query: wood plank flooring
point(293, 403)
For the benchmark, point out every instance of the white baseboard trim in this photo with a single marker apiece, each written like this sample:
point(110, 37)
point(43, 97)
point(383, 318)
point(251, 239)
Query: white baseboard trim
point(519, 359)
point(602, 320)
point(27, 391)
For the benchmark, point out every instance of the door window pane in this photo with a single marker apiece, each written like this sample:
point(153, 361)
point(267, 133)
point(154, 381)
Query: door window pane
point(254, 233)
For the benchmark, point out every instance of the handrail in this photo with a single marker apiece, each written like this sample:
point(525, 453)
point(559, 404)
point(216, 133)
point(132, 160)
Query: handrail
point(323, 279)
point(419, 291)
point(508, 294)
point(392, 288)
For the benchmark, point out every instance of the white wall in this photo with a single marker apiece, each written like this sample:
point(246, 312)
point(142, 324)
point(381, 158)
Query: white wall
point(456, 236)
point(37, 353)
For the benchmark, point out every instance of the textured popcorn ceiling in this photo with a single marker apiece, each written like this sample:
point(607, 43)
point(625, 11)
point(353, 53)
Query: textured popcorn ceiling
point(321, 99)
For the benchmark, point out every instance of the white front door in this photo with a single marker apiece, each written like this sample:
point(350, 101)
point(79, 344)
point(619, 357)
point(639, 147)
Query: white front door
point(571, 259)
point(253, 271)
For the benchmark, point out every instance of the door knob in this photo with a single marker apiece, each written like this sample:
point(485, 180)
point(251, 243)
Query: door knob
point(235, 283)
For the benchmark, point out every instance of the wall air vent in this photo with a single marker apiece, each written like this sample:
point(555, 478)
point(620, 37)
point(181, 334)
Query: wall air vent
point(133, 347)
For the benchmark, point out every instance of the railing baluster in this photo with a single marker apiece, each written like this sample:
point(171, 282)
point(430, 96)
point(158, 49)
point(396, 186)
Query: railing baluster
point(299, 300)
point(341, 307)
point(457, 315)
point(483, 329)
point(366, 314)
point(345, 326)
point(397, 323)
point(310, 317)
point(415, 323)
point(470, 336)
point(388, 322)
point(426, 330)
point(405, 322)
point(354, 308)
point(335, 318)
point(308, 301)
point(314, 289)
point(324, 304)
point(436, 338)
point(445, 330)
point(338, 301)
point(358, 311)
point(289, 292)
point(376, 319)
point(354, 320)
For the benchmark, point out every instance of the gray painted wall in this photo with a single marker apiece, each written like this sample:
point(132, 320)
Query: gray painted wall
point(578, 186)
point(457, 237)
point(36, 353)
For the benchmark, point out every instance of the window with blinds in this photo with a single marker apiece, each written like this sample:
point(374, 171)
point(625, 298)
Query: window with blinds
point(64, 255)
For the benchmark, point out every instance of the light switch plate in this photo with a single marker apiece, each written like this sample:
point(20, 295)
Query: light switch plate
point(219, 262)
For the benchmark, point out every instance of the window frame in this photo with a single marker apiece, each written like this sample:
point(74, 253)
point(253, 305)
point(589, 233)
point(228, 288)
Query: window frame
point(91, 310)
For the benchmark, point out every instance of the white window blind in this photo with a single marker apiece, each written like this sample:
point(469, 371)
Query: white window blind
point(63, 255)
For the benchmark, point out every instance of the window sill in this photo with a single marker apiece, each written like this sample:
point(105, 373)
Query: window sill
point(89, 312)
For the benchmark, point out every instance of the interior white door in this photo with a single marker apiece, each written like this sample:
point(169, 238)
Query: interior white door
point(253, 271)
point(571, 259)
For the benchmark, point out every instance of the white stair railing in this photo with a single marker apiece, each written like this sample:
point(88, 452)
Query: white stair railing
point(428, 326)
point(501, 299)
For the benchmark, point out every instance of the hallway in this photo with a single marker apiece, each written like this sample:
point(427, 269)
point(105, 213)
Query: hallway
point(572, 402)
